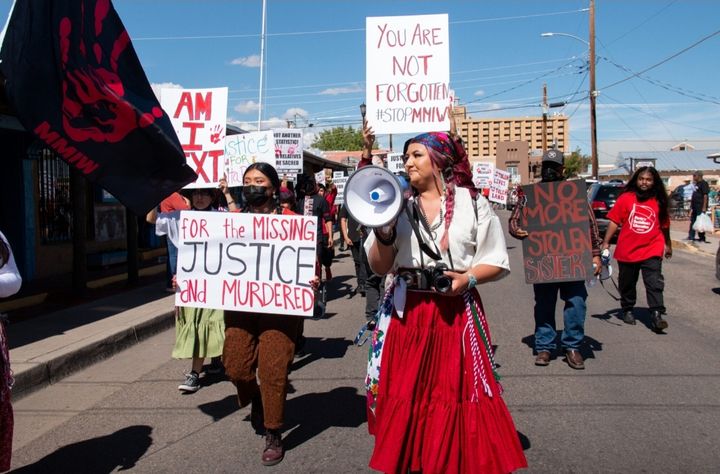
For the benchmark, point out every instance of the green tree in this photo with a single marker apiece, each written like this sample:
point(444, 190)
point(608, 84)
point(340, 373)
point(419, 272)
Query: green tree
point(576, 163)
point(339, 138)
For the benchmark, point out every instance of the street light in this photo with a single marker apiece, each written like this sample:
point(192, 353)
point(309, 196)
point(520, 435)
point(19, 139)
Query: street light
point(363, 110)
point(592, 93)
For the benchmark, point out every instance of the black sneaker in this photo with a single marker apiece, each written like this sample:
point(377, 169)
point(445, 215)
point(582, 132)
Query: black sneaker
point(628, 317)
point(658, 322)
point(191, 384)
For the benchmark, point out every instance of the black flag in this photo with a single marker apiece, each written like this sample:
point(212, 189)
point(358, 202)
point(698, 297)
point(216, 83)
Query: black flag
point(74, 80)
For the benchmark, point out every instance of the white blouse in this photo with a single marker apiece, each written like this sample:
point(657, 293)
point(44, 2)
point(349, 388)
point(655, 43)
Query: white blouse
point(474, 238)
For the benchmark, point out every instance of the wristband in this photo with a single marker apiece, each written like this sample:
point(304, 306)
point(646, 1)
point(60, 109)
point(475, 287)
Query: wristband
point(386, 241)
point(472, 281)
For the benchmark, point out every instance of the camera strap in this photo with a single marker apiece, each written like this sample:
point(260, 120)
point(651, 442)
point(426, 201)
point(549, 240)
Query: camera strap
point(414, 218)
point(436, 255)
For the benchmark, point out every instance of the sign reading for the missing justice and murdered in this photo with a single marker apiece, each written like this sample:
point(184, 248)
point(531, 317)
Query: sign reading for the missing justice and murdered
point(257, 263)
point(558, 246)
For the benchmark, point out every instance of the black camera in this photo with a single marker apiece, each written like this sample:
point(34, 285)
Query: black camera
point(436, 277)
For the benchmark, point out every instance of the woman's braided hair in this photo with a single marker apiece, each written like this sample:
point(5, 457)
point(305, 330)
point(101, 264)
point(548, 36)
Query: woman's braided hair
point(449, 157)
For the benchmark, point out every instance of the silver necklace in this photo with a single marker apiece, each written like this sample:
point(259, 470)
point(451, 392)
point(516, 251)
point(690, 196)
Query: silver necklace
point(435, 226)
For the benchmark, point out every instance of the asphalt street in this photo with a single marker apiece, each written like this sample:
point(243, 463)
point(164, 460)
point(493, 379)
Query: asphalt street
point(646, 402)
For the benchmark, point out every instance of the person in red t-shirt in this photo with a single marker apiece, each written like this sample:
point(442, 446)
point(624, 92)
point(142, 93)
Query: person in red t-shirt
point(641, 212)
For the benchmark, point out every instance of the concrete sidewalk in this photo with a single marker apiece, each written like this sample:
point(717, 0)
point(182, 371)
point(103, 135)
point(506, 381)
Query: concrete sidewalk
point(47, 348)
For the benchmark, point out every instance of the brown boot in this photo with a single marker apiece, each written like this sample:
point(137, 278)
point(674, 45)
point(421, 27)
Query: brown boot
point(574, 359)
point(274, 451)
point(542, 359)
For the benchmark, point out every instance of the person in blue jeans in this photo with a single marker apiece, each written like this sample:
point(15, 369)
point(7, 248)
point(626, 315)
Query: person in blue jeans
point(573, 293)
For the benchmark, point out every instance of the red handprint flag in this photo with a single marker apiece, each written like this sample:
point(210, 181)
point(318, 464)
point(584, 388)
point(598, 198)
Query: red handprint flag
point(74, 80)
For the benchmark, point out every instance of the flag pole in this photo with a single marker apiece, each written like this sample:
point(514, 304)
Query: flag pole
point(262, 65)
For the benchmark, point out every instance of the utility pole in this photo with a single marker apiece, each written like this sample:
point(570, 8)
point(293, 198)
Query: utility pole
point(593, 93)
point(544, 122)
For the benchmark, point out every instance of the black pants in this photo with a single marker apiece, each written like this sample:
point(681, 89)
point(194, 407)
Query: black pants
point(360, 261)
point(691, 233)
point(652, 278)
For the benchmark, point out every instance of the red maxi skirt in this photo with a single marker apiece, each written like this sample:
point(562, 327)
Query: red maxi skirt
point(428, 415)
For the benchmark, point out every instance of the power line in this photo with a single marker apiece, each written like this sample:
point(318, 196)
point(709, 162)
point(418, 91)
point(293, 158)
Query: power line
point(665, 120)
point(344, 30)
point(642, 23)
point(701, 40)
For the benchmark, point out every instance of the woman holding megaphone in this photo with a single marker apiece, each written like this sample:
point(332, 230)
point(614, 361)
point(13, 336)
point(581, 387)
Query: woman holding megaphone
point(438, 406)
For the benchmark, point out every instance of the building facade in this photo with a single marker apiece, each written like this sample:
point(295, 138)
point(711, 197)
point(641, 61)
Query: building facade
point(482, 136)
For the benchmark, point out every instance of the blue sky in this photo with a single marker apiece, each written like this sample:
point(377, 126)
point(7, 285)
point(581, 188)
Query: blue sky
point(315, 59)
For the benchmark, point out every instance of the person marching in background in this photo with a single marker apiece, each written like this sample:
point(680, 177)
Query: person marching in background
point(199, 332)
point(573, 293)
point(641, 213)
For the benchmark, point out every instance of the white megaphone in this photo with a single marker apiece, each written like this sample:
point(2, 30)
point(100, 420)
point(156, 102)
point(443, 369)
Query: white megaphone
point(374, 197)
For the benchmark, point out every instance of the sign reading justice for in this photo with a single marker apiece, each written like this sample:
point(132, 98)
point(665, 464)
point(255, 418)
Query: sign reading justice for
point(558, 246)
point(256, 263)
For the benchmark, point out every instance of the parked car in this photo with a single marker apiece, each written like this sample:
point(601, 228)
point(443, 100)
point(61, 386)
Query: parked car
point(602, 197)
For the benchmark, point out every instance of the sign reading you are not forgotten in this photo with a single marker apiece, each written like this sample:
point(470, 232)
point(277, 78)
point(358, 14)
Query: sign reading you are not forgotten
point(256, 263)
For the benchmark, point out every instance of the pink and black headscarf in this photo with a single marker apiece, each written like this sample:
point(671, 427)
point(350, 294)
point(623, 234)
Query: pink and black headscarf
point(449, 157)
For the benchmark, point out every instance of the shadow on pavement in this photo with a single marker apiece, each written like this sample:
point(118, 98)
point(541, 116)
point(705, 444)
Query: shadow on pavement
point(339, 287)
point(588, 346)
point(104, 454)
point(311, 414)
point(524, 441)
point(219, 409)
point(318, 348)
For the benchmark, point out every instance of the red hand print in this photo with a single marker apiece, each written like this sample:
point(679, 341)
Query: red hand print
point(217, 134)
point(278, 151)
point(94, 105)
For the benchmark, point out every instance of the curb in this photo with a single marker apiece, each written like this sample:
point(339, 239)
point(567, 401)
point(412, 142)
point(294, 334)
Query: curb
point(36, 376)
point(680, 244)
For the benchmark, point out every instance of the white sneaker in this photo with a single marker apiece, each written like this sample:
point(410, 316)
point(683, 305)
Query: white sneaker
point(191, 384)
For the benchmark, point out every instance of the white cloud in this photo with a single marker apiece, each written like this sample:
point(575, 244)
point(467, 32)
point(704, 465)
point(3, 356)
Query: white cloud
point(247, 61)
point(292, 112)
point(247, 107)
point(479, 92)
point(342, 90)
point(157, 87)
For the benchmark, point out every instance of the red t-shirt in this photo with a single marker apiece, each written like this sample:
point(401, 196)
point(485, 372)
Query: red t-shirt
point(174, 202)
point(641, 234)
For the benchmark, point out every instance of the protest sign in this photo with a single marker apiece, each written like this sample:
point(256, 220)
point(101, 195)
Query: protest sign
point(255, 263)
point(199, 116)
point(499, 186)
point(558, 246)
point(244, 149)
point(320, 177)
point(395, 163)
point(408, 73)
point(340, 185)
point(482, 174)
point(338, 175)
point(289, 151)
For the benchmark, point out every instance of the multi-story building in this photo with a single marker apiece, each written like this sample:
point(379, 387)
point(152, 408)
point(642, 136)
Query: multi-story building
point(482, 136)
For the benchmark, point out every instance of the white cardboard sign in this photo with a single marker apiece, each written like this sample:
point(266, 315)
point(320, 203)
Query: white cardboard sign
point(499, 186)
point(408, 73)
point(255, 263)
point(482, 174)
point(198, 117)
point(244, 149)
point(289, 151)
point(395, 163)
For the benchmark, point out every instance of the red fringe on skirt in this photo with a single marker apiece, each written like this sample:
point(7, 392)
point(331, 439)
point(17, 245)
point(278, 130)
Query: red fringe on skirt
point(425, 419)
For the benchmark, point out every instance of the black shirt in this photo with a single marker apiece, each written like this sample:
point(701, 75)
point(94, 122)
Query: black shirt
point(319, 208)
point(701, 189)
point(353, 228)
